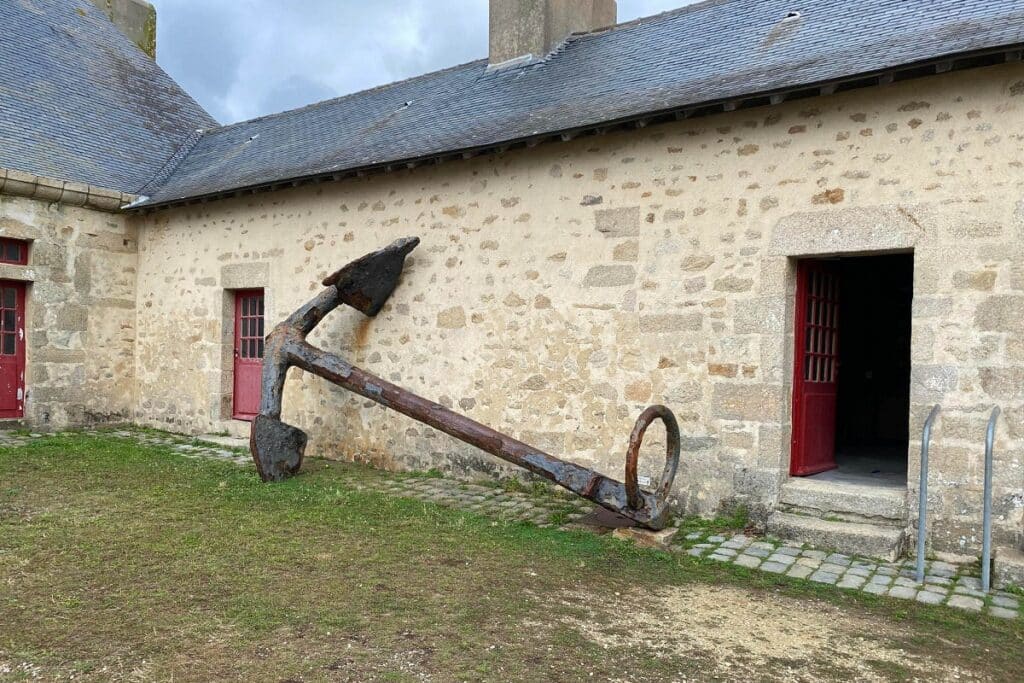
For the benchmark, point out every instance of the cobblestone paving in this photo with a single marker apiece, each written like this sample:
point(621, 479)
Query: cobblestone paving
point(944, 584)
point(16, 438)
point(188, 447)
point(494, 501)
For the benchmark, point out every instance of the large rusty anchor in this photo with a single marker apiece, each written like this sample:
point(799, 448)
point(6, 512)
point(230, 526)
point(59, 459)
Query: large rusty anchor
point(365, 284)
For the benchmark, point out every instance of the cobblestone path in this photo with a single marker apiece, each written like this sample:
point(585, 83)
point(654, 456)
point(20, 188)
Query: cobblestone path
point(945, 584)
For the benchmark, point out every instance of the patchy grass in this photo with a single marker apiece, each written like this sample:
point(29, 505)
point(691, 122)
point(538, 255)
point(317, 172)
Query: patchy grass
point(119, 561)
point(734, 522)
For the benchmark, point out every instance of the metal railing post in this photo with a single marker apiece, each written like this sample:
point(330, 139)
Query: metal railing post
point(986, 515)
point(922, 489)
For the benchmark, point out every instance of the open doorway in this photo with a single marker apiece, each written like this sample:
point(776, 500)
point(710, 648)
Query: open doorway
point(851, 398)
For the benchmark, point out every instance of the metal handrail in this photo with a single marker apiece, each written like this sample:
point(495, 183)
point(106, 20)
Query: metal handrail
point(922, 502)
point(986, 515)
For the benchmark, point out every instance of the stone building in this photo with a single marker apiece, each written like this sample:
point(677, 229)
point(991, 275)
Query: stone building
point(86, 120)
point(798, 225)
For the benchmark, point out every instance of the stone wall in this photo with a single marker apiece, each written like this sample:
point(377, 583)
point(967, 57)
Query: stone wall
point(80, 311)
point(559, 290)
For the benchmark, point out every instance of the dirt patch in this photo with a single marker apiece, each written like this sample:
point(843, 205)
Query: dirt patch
point(747, 633)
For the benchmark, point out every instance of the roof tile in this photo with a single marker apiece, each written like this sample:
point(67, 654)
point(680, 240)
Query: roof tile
point(711, 51)
point(79, 101)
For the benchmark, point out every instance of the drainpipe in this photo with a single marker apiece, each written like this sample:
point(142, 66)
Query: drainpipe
point(986, 515)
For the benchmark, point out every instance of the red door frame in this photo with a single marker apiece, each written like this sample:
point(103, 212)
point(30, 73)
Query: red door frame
point(248, 353)
point(12, 366)
point(815, 367)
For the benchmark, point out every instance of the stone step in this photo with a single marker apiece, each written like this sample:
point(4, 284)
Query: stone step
point(1008, 567)
point(235, 428)
point(867, 540)
point(867, 504)
point(228, 441)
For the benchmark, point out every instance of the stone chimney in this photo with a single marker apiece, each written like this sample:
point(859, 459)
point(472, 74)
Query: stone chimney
point(533, 28)
point(135, 18)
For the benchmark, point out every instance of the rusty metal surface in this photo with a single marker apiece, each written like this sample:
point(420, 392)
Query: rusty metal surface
point(603, 520)
point(277, 448)
point(366, 284)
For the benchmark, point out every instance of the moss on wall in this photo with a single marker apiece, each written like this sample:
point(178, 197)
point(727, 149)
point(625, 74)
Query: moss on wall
point(148, 40)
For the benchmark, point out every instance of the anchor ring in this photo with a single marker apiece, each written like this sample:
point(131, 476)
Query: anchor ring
point(672, 443)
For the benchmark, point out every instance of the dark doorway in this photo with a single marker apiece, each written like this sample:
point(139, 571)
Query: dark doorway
point(873, 411)
point(852, 374)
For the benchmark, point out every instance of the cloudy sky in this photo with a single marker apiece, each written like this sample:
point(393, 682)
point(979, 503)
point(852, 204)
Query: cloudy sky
point(246, 58)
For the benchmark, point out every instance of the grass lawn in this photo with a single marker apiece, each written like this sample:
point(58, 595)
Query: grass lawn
point(127, 562)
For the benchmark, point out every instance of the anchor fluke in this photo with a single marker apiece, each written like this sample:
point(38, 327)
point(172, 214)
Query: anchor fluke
point(366, 283)
point(277, 448)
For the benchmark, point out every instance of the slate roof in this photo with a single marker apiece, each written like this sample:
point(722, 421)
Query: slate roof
point(79, 101)
point(715, 50)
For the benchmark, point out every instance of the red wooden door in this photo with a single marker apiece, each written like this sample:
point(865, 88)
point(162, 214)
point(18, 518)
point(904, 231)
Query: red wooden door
point(12, 349)
point(816, 368)
point(248, 353)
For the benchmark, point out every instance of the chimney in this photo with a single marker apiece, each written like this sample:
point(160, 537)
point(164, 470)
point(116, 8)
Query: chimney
point(530, 29)
point(135, 18)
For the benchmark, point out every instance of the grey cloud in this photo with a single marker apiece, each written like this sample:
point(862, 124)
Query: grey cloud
point(197, 53)
point(293, 92)
point(246, 58)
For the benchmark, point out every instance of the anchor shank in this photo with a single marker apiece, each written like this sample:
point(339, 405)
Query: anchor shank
point(580, 480)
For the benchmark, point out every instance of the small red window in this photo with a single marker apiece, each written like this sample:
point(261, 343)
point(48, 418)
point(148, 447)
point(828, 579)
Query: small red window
point(250, 322)
point(13, 251)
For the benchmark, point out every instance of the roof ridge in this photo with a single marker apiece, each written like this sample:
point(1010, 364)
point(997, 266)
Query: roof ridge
point(662, 67)
point(575, 36)
point(357, 93)
point(557, 49)
point(172, 163)
point(645, 19)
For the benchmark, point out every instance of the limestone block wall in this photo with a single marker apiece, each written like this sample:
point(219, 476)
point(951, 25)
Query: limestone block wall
point(559, 290)
point(80, 311)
